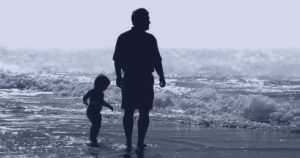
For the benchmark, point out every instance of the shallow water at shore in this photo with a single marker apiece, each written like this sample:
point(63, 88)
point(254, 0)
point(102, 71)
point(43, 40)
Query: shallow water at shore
point(40, 126)
point(66, 136)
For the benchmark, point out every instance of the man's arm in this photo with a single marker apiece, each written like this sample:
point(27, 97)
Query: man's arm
point(117, 58)
point(118, 74)
point(159, 69)
point(158, 64)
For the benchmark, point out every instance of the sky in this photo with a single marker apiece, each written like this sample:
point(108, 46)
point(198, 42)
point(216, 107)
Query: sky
point(197, 24)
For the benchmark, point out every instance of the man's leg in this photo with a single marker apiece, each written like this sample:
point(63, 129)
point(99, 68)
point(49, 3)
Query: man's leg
point(128, 126)
point(143, 124)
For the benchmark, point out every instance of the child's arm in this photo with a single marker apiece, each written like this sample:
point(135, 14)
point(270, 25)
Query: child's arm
point(85, 98)
point(107, 105)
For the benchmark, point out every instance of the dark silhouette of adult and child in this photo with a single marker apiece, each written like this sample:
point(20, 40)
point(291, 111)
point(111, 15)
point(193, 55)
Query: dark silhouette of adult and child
point(137, 56)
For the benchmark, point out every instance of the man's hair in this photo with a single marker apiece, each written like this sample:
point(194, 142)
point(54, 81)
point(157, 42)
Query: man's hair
point(101, 81)
point(139, 15)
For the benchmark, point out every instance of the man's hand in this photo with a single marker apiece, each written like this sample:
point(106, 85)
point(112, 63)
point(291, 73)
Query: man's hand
point(162, 82)
point(119, 82)
point(85, 103)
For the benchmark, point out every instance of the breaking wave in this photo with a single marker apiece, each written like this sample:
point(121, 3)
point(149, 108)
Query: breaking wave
point(203, 105)
point(208, 107)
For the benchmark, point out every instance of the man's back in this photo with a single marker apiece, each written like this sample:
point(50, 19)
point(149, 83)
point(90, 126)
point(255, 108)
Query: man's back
point(137, 52)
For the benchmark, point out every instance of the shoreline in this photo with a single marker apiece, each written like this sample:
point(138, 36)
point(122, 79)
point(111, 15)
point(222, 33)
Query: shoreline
point(69, 135)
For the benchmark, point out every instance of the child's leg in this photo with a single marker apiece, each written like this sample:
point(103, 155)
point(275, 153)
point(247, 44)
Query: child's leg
point(95, 128)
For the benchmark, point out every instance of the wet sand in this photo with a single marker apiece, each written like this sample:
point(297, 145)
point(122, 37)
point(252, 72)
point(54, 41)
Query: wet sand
point(49, 135)
point(45, 126)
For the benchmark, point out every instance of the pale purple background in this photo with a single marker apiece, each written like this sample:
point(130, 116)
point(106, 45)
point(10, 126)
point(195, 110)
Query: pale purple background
point(93, 24)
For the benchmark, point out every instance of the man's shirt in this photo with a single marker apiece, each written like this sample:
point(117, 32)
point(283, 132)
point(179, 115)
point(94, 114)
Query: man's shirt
point(137, 52)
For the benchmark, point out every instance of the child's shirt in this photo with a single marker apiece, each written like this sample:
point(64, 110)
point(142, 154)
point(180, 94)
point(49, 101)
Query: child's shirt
point(96, 98)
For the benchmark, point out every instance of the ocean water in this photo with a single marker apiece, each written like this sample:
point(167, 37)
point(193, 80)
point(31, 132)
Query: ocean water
point(234, 88)
point(252, 95)
point(226, 62)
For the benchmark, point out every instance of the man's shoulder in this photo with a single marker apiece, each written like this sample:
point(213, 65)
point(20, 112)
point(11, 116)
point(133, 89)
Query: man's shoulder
point(150, 36)
point(125, 34)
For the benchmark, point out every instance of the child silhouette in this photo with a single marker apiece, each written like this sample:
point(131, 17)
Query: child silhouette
point(96, 101)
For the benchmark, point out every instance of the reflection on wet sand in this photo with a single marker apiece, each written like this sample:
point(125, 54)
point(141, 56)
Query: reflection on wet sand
point(28, 130)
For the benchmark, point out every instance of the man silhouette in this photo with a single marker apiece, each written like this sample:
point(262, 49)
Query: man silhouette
point(137, 55)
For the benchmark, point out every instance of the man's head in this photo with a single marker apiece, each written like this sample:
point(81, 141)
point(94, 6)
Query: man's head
point(140, 18)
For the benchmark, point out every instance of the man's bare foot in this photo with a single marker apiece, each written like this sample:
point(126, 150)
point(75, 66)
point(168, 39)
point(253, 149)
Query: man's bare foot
point(95, 145)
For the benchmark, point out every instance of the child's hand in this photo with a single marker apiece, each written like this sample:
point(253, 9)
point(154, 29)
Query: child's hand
point(111, 108)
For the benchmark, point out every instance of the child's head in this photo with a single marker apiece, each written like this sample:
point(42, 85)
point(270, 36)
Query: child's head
point(101, 82)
